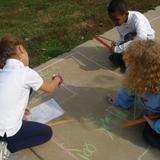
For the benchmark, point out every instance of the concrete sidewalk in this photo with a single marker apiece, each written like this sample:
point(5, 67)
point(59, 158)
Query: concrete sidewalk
point(93, 132)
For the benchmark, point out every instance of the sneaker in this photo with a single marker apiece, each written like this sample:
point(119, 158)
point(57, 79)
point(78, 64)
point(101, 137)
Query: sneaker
point(4, 152)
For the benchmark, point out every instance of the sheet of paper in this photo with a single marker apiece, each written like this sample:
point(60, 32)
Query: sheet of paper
point(45, 112)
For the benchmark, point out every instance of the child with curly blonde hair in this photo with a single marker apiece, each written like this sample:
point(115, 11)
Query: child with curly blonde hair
point(142, 82)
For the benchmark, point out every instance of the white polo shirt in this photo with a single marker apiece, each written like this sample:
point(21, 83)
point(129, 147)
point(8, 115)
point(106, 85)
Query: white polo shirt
point(137, 23)
point(16, 80)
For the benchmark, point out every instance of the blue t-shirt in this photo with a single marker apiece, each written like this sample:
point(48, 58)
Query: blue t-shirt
point(151, 102)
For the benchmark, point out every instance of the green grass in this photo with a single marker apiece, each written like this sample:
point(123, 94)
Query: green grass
point(52, 27)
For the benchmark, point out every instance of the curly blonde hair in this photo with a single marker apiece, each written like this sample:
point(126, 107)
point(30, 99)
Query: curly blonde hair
point(143, 61)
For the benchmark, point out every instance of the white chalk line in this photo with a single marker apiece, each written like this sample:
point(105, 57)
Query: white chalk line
point(58, 61)
point(92, 61)
point(69, 90)
point(78, 61)
point(106, 132)
point(65, 149)
point(66, 88)
point(67, 99)
point(142, 155)
point(61, 102)
point(109, 111)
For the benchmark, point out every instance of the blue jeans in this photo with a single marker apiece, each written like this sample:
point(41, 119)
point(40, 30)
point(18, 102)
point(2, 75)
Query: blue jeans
point(30, 134)
point(151, 137)
point(124, 99)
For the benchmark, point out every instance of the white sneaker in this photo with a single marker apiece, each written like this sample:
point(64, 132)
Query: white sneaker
point(4, 152)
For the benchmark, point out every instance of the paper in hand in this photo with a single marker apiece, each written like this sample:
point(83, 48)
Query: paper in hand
point(45, 112)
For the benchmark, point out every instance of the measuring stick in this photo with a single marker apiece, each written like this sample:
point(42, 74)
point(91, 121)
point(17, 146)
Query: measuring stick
point(138, 121)
point(107, 39)
point(60, 122)
point(104, 43)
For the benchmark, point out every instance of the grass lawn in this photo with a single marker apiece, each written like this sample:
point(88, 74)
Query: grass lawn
point(52, 27)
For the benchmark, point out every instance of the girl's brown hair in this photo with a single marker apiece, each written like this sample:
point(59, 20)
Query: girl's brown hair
point(143, 61)
point(8, 45)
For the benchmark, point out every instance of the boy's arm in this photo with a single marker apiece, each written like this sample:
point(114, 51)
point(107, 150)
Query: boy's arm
point(120, 40)
point(143, 29)
point(120, 48)
point(141, 33)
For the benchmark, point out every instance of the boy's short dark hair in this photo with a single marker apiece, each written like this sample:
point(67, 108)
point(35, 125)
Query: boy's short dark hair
point(117, 6)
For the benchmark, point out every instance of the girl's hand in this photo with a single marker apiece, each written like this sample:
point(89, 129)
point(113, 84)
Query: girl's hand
point(27, 112)
point(59, 78)
point(51, 85)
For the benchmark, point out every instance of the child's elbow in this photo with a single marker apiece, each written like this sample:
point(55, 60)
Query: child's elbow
point(46, 88)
